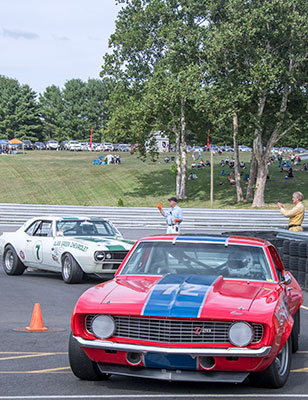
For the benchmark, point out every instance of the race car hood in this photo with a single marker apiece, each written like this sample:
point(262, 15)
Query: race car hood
point(179, 296)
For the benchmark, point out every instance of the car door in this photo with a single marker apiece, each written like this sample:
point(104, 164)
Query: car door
point(28, 255)
point(41, 244)
point(291, 291)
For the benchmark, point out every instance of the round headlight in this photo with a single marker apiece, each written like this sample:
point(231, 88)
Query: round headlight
point(240, 334)
point(103, 326)
point(108, 255)
point(99, 255)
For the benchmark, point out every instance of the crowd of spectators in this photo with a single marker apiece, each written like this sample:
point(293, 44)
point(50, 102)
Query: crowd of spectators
point(108, 159)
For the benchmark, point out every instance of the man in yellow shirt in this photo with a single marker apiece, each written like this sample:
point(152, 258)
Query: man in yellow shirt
point(296, 214)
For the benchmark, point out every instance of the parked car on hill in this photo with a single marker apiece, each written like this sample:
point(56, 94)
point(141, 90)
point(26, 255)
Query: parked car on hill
point(74, 246)
point(107, 147)
point(39, 146)
point(84, 146)
point(191, 308)
point(52, 145)
point(197, 148)
point(124, 147)
point(63, 145)
point(27, 144)
point(97, 146)
point(244, 148)
point(73, 145)
point(299, 150)
point(287, 149)
point(226, 148)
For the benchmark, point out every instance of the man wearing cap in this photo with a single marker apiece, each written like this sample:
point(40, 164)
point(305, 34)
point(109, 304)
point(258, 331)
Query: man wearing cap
point(174, 216)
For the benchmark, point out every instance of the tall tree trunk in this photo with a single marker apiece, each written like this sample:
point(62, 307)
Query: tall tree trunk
point(261, 154)
point(258, 200)
point(183, 158)
point(239, 191)
point(252, 177)
point(258, 154)
point(178, 162)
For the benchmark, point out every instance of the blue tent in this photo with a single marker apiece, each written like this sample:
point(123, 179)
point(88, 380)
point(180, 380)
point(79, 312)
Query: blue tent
point(3, 141)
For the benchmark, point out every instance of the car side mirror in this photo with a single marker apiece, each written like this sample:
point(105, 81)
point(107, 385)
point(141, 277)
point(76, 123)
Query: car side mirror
point(286, 280)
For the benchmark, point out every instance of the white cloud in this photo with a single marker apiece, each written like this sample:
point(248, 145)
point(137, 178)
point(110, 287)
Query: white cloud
point(16, 34)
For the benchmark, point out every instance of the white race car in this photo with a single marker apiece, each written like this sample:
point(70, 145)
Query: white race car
point(72, 245)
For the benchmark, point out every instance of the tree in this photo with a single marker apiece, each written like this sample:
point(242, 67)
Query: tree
point(154, 64)
point(74, 119)
point(95, 111)
point(19, 111)
point(257, 58)
point(51, 105)
point(9, 94)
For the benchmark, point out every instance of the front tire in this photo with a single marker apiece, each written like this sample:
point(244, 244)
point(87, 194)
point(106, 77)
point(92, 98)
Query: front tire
point(276, 375)
point(81, 365)
point(11, 262)
point(71, 271)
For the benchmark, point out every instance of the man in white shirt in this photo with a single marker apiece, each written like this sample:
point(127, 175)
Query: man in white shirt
point(174, 215)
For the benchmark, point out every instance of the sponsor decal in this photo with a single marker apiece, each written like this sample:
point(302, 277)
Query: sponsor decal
point(178, 296)
point(199, 330)
point(56, 254)
point(74, 245)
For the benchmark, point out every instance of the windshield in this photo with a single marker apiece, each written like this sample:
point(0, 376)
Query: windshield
point(85, 228)
point(232, 261)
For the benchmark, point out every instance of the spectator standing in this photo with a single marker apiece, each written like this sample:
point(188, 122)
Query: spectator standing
point(174, 216)
point(296, 214)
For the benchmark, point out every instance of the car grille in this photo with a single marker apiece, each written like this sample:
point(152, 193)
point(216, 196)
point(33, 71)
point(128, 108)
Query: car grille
point(118, 255)
point(173, 331)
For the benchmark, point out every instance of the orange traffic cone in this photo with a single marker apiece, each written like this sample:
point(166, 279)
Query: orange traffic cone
point(36, 323)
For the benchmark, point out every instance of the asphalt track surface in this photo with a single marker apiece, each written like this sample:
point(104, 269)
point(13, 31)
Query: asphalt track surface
point(35, 365)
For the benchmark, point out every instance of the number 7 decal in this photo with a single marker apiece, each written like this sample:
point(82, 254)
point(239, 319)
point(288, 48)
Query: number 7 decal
point(38, 246)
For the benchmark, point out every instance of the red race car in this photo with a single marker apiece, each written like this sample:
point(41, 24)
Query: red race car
point(191, 308)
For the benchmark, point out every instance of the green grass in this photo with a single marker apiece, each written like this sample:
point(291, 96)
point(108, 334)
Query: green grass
point(58, 177)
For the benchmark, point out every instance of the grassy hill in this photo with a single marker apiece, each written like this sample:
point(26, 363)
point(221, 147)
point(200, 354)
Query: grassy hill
point(59, 177)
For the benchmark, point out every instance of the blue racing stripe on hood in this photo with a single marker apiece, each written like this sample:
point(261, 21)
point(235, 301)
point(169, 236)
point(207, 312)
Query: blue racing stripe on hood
point(178, 296)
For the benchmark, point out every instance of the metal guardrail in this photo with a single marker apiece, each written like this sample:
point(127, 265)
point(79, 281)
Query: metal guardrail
point(149, 217)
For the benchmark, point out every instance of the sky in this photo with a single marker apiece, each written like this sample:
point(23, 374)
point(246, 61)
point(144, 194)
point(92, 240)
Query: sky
point(48, 42)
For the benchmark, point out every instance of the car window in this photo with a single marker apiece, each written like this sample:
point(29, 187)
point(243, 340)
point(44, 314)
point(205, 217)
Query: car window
point(32, 228)
point(85, 228)
point(276, 260)
point(43, 229)
point(233, 261)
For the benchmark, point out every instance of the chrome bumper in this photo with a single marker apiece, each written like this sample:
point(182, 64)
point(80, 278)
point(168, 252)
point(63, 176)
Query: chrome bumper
point(194, 352)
